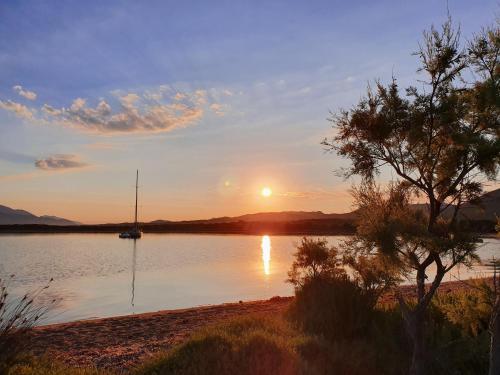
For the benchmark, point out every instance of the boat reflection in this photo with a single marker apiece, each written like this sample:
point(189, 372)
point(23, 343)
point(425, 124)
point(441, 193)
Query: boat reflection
point(134, 262)
point(266, 253)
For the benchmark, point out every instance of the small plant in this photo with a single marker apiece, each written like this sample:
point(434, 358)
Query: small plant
point(17, 316)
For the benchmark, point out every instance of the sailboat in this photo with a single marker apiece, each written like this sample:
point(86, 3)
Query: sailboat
point(135, 232)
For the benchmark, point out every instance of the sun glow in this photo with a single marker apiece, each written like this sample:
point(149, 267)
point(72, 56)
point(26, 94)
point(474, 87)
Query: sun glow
point(266, 254)
point(266, 192)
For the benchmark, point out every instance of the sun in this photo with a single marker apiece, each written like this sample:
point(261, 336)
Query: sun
point(266, 192)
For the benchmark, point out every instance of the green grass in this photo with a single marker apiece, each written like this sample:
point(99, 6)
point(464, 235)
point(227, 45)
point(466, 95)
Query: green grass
point(249, 345)
point(261, 345)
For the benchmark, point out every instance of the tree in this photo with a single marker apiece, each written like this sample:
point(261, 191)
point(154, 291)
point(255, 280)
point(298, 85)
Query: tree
point(441, 141)
point(314, 260)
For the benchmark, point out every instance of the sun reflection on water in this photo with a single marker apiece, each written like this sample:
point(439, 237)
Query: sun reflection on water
point(266, 253)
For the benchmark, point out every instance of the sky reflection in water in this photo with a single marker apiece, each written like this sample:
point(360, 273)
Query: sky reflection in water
point(99, 275)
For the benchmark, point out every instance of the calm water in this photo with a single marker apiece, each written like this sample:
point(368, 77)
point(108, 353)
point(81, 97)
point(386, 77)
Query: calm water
point(99, 275)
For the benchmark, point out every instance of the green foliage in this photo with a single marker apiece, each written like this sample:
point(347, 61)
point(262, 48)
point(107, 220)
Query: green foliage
point(261, 345)
point(457, 331)
point(314, 259)
point(250, 345)
point(440, 141)
point(468, 309)
point(353, 357)
point(335, 308)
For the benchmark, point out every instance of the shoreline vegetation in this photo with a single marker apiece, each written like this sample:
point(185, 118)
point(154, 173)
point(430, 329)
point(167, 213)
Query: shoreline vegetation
point(320, 227)
point(301, 227)
point(123, 342)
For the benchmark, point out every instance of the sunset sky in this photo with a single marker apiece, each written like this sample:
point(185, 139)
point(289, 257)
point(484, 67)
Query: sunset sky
point(211, 100)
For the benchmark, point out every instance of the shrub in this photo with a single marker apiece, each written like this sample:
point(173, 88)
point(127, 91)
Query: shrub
point(353, 357)
point(457, 332)
point(313, 260)
point(259, 345)
point(335, 308)
point(249, 345)
point(469, 309)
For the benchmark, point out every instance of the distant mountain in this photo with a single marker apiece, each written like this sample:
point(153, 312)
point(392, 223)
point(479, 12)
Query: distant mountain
point(486, 209)
point(267, 217)
point(12, 216)
point(487, 206)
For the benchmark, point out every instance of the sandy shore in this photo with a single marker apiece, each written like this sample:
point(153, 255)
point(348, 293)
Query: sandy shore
point(121, 342)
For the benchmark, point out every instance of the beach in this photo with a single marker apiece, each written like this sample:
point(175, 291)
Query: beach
point(120, 343)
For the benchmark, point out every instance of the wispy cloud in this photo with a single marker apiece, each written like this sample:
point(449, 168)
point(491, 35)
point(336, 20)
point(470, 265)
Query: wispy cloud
point(102, 146)
point(217, 109)
point(133, 115)
point(60, 162)
point(20, 110)
point(27, 94)
point(159, 110)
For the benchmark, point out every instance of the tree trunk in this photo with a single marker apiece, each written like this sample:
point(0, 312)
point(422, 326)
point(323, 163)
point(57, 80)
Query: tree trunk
point(495, 339)
point(415, 327)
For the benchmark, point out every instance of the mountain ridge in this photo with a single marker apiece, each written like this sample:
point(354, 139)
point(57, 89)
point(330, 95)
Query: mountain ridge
point(12, 216)
point(487, 208)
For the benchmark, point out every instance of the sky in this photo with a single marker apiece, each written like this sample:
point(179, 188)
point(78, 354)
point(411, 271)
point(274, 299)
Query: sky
point(211, 100)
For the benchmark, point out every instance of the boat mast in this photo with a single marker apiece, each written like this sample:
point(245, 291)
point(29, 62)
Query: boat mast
point(136, 188)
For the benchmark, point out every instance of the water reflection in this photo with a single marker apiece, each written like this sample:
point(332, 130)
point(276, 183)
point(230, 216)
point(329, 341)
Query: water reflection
point(134, 262)
point(491, 265)
point(266, 253)
point(171, 270)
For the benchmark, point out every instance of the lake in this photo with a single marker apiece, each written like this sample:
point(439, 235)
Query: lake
point(100, 275)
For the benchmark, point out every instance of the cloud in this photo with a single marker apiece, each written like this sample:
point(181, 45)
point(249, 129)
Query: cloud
point(101, 146)
point(217, 109)
point(180, 96)
point(20, 110)
point(136, 113)
point(161, 109)
point(59, 162)
point(30, 95)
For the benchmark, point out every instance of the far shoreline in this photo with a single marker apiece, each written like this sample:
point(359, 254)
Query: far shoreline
point(300, 227)
point(319, 227)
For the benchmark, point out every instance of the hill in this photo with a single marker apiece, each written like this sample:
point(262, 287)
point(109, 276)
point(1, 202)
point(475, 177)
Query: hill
point(266, 217)
point(487, 208)
point(12, 216)
point(481, 216)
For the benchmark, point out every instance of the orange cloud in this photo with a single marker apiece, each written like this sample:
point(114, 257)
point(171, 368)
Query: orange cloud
point(60, 162)
point(20, 110)
point(27, 94)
